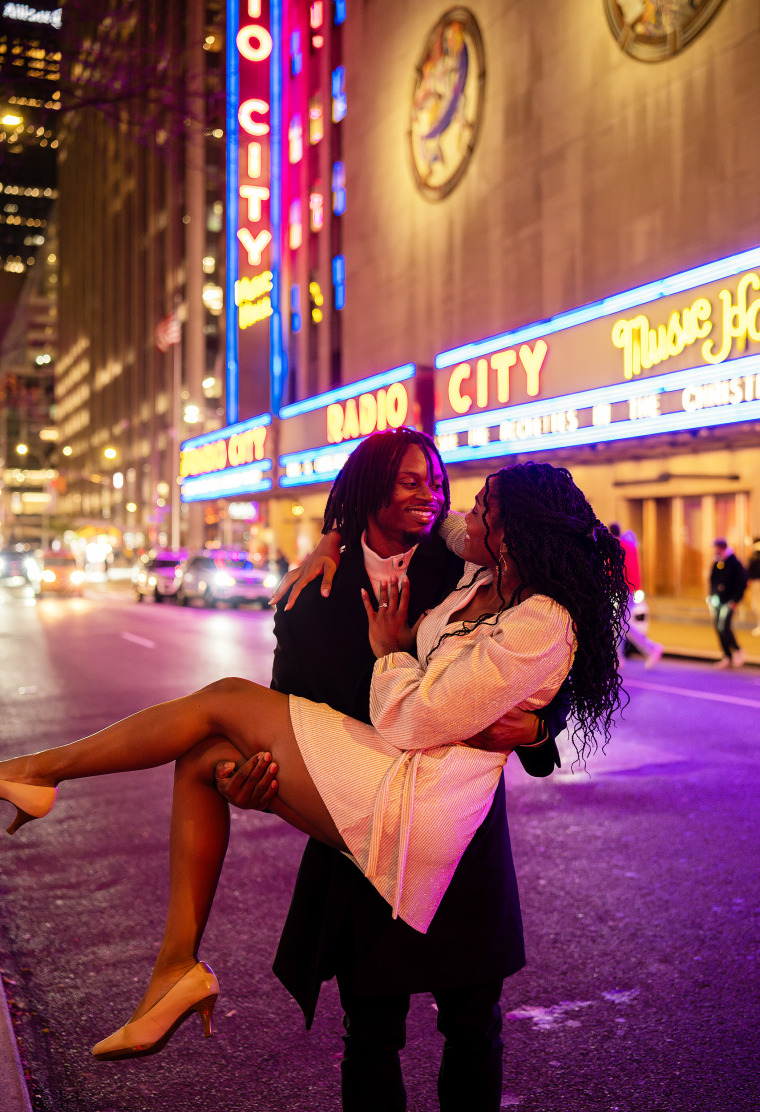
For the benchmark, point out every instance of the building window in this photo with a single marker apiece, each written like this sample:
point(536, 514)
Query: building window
point(316, 211)
point(316, 120)
point(295, 234)
point(295, 139)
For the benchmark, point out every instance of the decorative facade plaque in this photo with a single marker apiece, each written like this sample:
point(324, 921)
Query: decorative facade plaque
point(653, 30)
point(447, 103)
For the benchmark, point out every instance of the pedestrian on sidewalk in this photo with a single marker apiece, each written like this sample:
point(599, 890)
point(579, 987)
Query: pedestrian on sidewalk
point(650, 650)
point(753, 577)
point(728, 582)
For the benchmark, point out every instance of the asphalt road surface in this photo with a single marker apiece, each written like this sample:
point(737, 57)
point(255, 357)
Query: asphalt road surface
point(639, 884)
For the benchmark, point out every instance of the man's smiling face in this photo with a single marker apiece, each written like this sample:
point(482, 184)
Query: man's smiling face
point(416, 501)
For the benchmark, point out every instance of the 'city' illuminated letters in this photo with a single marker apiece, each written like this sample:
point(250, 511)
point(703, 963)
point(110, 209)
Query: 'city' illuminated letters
point(501, 362)
point(367, 414)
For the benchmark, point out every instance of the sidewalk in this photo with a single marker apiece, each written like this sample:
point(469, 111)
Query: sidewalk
point(685, 629)
point(12, 1080)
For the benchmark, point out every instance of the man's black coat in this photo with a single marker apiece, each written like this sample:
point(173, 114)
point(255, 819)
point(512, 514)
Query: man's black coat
point(337, 922)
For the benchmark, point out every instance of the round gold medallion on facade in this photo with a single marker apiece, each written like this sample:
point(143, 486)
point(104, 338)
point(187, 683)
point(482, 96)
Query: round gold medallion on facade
point(447, 103)
point(654, 30)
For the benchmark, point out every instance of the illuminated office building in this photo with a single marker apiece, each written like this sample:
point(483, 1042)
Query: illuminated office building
point(141, 179)
point(533, 234)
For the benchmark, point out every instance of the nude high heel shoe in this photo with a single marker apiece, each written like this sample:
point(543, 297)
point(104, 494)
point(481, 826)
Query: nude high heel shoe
point(32, 801)
point(195, 992)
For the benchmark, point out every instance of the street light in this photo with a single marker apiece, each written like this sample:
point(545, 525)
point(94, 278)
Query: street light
point(109, 453)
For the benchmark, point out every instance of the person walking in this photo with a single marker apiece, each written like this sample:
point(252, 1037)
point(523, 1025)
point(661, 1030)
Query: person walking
point(388, 502)
point(753, 579)
point(649, 649)
point(728, 582)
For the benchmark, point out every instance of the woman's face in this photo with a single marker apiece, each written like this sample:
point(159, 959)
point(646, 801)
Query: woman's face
point(475, 542)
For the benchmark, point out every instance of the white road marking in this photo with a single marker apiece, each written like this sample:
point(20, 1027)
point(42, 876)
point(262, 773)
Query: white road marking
point(139, 640)
point(735, 700)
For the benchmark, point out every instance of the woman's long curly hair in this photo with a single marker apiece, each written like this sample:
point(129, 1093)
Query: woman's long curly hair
point(561, 549)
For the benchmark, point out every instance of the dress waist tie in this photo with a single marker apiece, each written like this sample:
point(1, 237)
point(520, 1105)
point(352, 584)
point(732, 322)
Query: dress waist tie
point(408, 760)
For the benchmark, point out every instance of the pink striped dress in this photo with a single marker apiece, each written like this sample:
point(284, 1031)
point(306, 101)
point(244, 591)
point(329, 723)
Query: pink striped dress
point(405, 796)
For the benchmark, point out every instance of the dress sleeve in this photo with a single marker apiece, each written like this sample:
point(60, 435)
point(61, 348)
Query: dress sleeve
point(471, 681)
point(452, 531)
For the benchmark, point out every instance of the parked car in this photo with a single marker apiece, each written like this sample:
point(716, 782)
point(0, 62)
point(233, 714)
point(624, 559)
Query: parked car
point(59, 573)
point(229, 577)
point(157, 575)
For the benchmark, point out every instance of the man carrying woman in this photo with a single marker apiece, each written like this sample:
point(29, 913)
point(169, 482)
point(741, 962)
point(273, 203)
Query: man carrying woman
point(541, 600)
point(388, 502)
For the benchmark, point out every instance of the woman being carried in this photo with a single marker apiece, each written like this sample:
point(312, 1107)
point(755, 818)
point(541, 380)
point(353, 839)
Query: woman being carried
point(542, 598)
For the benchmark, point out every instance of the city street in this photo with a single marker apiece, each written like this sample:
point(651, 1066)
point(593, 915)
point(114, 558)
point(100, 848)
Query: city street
point(638, 878)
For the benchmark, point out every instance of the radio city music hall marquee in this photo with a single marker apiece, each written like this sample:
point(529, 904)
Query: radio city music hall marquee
point(595, 374)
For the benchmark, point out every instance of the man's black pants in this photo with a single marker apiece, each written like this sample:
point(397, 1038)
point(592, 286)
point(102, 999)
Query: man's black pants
point(470, 1074)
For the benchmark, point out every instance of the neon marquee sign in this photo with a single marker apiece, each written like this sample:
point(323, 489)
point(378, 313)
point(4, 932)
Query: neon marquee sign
point(227, 462)
point(610, 352)
point(340, 419)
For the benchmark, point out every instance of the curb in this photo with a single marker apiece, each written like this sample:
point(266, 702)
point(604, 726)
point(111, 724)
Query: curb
point(12, 1080)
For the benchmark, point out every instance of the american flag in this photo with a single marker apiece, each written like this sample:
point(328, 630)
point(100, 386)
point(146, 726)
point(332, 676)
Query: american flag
point(168, 332)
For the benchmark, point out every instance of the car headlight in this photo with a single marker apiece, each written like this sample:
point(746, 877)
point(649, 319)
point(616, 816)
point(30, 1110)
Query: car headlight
point(223, 579)
point(270, 581)
point(48, 576)
point(77, 577)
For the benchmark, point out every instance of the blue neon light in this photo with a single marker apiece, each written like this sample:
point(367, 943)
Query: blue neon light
point(232, 166)
point(339, 103)
point(248, 479)
point(326, 463)
point(339, 188)
point(352, 390)
point(663, 287)
point(620, 430)
point(295, 308)
point(346, 447)
point(296, 57)
point(619, 392)
point(339, 280)
point(340, 12)
point(229, 430)
point(278, 365)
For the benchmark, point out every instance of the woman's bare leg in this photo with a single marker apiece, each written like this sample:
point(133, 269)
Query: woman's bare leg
point(199, 833)
point(251, 717)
